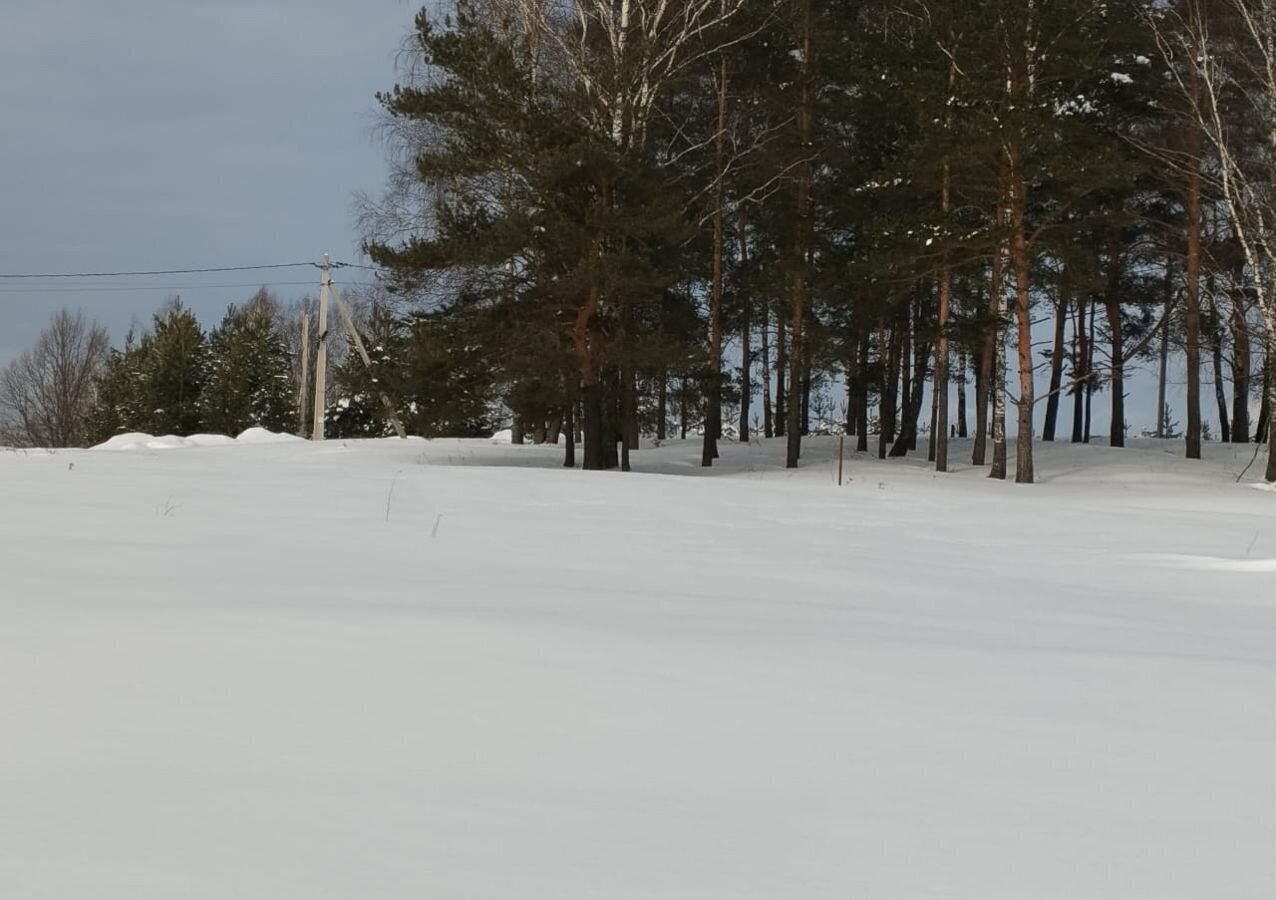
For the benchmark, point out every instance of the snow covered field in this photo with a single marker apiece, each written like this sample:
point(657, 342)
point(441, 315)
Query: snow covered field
point(450, 669)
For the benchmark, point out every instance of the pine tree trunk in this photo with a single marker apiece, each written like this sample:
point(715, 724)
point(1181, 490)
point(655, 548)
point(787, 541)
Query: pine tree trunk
point(1081, 387)
point(998, 387)
point(628, 415)
point(1265, 407)
point(888, 412)
point(806, 393)
point(1116, 430)
point(1024, 471)
point(1220, 395)
point(1162, 419)
point(595, 452)
point(1090, 384)
point(801, 242)
point(768, 425)
point(1056, 366)
point(861, 427)
point(746, 348)
point(713, 402)
point(569, 431)
point(963, 431)
point(662, 406)
point(984, 377)
point(1240, 370)
point(1193, 269)
point(781, 367)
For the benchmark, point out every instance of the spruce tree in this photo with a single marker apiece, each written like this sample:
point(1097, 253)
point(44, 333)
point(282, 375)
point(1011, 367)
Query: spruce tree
point(249, 371)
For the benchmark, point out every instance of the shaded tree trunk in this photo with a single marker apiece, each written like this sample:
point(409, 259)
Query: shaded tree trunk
point(746, 348)
point(569, 431)
point(997, 389)
point(1162, 419)
point(1056, 366)
point(984, 375)
point(768, 425)
point(963, 431)
point(861, 428)
point(781, 369)
point(1220, 395)
point(1240, 370)
point(1192, 273)
point(1116, 435)
point(890, 391)
point(1089, 368)
point(801, 240)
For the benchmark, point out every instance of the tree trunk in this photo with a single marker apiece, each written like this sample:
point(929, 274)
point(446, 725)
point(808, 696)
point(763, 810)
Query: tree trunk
point(997, 388)
point(768, 425)
point(801, 241)
point(1265, 408)
point(963, 431)
point(746, 349)
point(861, 427)
point(984, 376)
point(1269, 402)
point(806, 393)
point(1220, 395)
point(890, 391)
point(1240, 370)
point(1089, 368)
point(1024, 472)
point(1080, 352)
point(595, 452)
point(628, 415)
point(569, 431)
point(1116, 435)
point(781, 368)
point(1062, 308)
point(662, 406)
point(713, 401)
point(1193, 269)
point(1162, 417)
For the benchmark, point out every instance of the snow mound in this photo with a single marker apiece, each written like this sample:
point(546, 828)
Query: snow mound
point(264, 436)
point(503, 437)
point(135, 440)
point(211, 440)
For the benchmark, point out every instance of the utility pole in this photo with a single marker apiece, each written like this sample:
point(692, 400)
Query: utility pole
point(321, 358)
point(303, 389)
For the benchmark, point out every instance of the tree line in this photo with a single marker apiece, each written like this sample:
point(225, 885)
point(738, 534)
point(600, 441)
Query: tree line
point(619, 218)
point(72, 388)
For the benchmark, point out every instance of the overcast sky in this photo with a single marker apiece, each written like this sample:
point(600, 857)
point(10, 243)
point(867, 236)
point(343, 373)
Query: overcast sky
point(144, 134)
point(167, 134)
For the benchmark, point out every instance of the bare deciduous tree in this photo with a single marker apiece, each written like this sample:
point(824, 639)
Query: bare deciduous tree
point(1230, 47)
point(46, 393)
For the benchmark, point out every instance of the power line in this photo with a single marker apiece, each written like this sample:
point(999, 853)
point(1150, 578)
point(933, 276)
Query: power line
point(112, 289)
point(295, 265)
point(348, 265)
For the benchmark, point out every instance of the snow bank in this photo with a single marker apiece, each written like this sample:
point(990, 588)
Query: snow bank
point(135, 441)
point(503, 437)
point(262, 436)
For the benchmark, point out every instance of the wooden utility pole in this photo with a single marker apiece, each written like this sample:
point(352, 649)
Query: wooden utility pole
point(321, 357)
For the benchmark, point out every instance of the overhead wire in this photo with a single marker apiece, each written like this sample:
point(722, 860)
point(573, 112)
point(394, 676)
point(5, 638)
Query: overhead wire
point(140, 274)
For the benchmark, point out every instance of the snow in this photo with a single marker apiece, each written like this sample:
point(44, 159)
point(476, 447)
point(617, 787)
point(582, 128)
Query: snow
point(452, 669)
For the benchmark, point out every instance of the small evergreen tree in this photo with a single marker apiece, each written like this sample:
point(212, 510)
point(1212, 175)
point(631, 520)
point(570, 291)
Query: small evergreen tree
point(250, 381)
point(173, 369)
